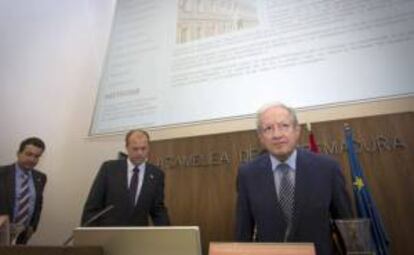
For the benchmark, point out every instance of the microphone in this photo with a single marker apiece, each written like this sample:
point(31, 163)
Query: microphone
point(98, 215)
point(91, 220)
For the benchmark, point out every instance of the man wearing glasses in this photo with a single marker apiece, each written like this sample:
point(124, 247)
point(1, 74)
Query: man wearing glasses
point(288, 194)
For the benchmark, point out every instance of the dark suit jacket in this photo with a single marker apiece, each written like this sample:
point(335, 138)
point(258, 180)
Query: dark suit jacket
point(110, 188)
point(319, 196)
point(7, 193)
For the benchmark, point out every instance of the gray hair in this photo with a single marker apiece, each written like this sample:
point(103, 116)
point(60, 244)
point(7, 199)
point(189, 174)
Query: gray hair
point(267, 106)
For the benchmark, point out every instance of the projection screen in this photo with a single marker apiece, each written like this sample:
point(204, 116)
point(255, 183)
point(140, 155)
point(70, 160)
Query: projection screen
point(179, 62)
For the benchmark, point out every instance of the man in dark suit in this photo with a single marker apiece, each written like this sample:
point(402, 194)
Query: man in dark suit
point(288, 194)
point(21, 188)
point(132, 187)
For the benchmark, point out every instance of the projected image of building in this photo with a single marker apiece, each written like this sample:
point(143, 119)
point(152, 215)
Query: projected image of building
point(199, 19)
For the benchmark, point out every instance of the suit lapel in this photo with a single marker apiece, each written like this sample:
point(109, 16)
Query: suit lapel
point(37, 184)
point(302, 187)
point(269, 188)
point(268, 179)
point(120, 181)
point(12, 188)
point(122, 178)
point(148, 178)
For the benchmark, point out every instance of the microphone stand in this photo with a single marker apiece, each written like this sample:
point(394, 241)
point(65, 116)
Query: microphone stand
point(92, 219)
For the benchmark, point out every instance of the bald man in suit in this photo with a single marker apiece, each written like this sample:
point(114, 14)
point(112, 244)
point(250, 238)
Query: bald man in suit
point(132, 187)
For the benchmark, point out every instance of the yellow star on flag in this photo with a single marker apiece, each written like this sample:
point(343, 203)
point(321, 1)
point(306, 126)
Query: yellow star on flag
point(358, 183)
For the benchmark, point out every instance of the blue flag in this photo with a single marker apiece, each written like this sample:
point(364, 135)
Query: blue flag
point(364, 203)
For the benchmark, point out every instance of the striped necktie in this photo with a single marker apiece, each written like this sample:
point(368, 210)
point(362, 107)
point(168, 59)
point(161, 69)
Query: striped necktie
point(23, 198)
point(286, 194)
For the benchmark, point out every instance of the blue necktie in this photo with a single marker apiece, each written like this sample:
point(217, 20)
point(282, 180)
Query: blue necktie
point(23, 198)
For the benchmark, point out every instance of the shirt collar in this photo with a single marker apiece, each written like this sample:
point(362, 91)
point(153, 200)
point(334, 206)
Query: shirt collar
point(291, 161)
point(131, 165)
point(20, 171)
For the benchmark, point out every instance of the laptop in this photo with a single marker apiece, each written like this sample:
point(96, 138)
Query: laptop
point(141, 240)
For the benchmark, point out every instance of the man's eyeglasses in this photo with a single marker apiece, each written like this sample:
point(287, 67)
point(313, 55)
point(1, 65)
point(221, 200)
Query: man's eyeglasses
point(281, 127)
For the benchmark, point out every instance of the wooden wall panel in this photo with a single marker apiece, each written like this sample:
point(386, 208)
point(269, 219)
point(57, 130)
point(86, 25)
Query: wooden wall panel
point(386, 154)
point(200, 180)
point(201, 173)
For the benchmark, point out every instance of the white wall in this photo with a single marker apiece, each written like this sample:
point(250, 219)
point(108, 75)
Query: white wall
point(50, 57)
point(51, 53)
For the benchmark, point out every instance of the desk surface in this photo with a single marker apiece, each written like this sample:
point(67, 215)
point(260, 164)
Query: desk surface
point(50, 250)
